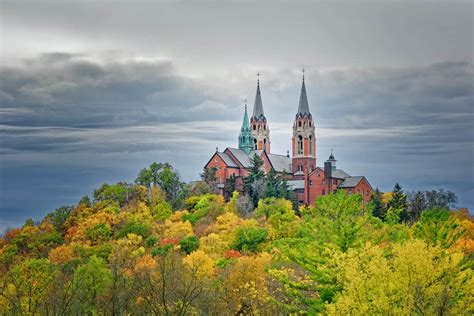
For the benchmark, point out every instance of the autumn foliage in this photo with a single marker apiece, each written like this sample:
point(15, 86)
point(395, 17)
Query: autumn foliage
point(151, 248)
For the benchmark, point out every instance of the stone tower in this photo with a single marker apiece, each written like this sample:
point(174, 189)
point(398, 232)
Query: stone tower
point(303, 140)
point(245, 136)
point(258, 124)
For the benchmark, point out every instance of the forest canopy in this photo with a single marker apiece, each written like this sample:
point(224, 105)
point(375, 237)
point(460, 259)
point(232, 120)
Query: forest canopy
point(159, 246)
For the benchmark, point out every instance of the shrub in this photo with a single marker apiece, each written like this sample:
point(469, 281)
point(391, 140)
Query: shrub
point(249, 238)
point(134, 228)
point(189, 244)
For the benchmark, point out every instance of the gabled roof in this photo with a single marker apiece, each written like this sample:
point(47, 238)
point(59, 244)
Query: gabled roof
point(241, 156)
point(227, 159)
point(303, 108)
point(350, 182)
point(280, 163)
point(339, 174)
point(258, 106)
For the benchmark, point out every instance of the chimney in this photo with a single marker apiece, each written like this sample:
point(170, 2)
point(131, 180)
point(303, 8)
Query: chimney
point(328, 169)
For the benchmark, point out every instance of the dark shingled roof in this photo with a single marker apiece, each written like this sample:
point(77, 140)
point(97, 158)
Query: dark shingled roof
point(303, 108)
point(350, 182)
point(229, 162)
point(258, 106)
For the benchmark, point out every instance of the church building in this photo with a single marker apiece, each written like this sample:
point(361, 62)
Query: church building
point(305, 177)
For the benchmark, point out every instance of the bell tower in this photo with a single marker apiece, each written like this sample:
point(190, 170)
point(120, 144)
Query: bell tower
point(304, 139)
point(258, 123)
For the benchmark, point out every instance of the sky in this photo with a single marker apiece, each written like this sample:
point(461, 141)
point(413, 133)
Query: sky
point(93, 91)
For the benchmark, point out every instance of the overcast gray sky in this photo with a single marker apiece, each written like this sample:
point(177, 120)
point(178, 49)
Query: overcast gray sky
point(92, 91)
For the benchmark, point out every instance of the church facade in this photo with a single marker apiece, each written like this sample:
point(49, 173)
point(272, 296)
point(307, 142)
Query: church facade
point(305, 177)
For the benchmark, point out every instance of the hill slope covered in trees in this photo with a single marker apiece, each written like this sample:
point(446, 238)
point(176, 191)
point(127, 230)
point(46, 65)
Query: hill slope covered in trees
point(161, 247)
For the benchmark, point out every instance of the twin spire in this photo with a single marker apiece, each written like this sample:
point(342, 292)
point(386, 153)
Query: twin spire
point(245, 138)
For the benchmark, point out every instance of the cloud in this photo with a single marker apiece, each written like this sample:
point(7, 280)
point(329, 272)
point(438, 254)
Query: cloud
point(71, 121)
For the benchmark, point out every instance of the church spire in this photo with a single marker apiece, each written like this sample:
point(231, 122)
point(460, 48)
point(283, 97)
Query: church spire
point(303, 108)
point(258, 106)
point(245, 136)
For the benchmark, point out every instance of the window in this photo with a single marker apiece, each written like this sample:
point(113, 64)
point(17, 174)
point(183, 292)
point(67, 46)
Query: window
point(299, 123)
point(255, 144)
point(264, 127)
point(300, 144)
point(310, 183)
point(264, 144)
point(310, 144)
point(309, 123)
point(310, 168)
point(300, 167)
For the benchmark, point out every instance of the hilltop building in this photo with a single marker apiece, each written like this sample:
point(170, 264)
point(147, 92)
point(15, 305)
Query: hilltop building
point(304, 176)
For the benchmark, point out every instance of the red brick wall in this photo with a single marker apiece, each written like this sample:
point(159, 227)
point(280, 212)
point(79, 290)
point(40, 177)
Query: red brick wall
point(363, 188)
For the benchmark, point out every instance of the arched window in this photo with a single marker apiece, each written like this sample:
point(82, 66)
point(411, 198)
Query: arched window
point(264, 127)
point(310, 144)
point(254, 127)
point(264, 144)
point(299, 123)
point(300, 144)
point(300, 167)
point(255, 144)
point(309, 123)
point(310, 168)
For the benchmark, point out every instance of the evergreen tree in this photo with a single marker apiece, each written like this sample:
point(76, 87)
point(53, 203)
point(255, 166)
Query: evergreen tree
point(272, 184)
point(398, 203)
point(254, 182)
point(209, 175)
point(379, 209)
point(229, 187)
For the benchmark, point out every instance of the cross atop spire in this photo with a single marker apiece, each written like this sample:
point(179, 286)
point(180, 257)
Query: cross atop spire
point(303, 70)
point(258, 78)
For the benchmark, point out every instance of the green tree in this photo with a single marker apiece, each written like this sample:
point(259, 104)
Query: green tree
point(249, 238)
point(379, 209)
point(189, 244)
point(229, 187)
point(59, 216)
point(92, 281)
point(416, 203)
point(254, 182)
point(398, 203)
point(208, 175)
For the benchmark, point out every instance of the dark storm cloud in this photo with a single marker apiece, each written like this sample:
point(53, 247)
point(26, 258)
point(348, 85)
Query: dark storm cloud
point(70, 122)
point(72, 90)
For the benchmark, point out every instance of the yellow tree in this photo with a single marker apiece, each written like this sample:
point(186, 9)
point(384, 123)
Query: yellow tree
point(415, 279)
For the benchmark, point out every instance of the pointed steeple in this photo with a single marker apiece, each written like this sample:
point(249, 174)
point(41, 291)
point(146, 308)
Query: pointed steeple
point(303, 108)
point(245, 123)
point(258, 106)
point(245, 136)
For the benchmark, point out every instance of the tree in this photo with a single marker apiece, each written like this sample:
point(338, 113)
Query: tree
point(92, 281)
point(229, 187)
point(254, 182)
point(208, 175)
point(415, 279)
point(397, 206)
point(59, 216)
point(416, 203)
point(249, 239)
point(379, 209)
point(440, 199)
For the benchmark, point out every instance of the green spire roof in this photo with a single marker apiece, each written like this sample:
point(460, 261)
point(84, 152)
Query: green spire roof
point(245, 136)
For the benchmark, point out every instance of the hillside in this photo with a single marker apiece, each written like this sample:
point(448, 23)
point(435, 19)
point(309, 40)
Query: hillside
point(161, 247)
